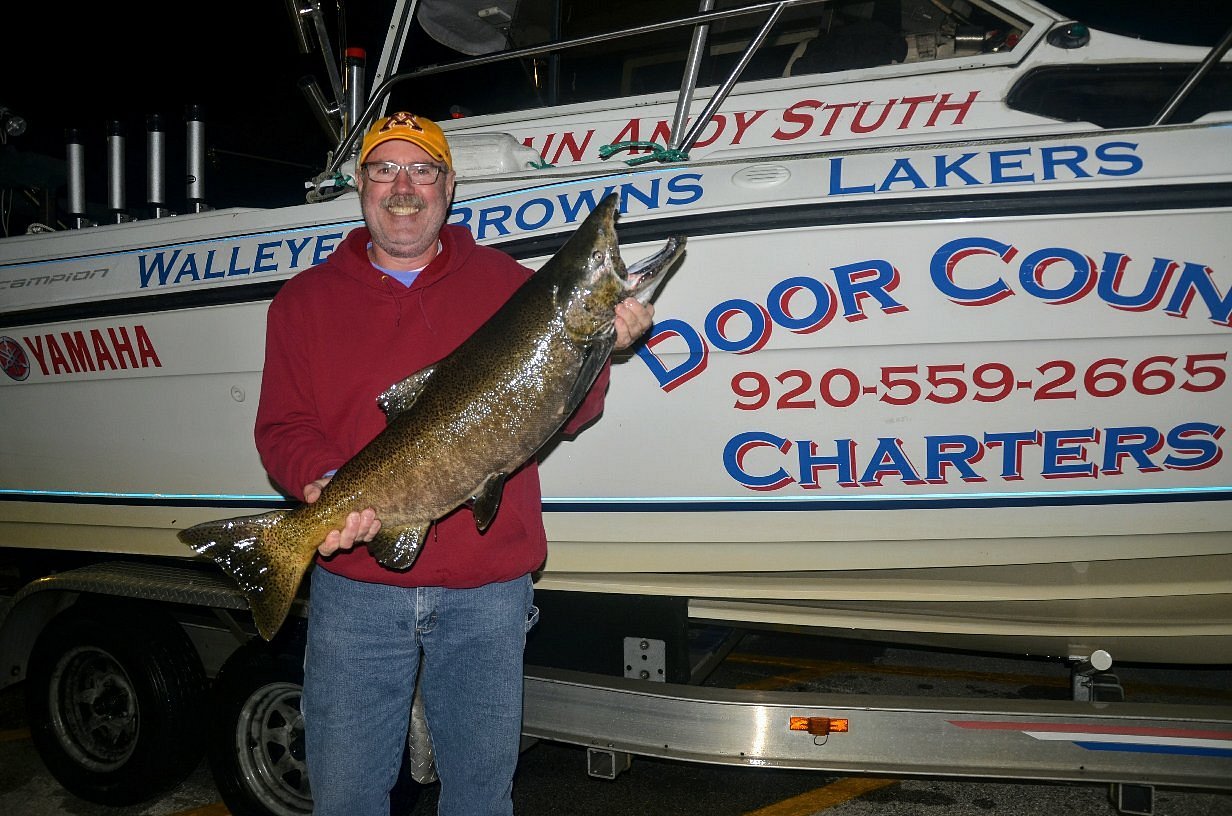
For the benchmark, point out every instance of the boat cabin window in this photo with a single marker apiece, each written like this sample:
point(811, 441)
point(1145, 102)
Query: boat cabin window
point(835, 35)
point(1125, 95)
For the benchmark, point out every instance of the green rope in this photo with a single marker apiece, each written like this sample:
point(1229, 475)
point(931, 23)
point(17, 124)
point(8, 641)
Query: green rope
point(658, 153)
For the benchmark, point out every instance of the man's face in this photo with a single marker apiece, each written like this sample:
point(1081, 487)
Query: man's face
point(405, 219)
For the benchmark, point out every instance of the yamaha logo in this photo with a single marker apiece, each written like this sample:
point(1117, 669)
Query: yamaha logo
point(13, 359)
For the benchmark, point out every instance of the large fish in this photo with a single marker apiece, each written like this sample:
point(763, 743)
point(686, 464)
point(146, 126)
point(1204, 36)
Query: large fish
point(457, 428)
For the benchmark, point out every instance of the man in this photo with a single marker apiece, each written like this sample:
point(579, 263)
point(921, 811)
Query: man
point(399, 294)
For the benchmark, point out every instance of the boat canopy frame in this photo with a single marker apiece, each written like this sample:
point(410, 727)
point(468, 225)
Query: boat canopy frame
point(680, 139)
point(679, 143)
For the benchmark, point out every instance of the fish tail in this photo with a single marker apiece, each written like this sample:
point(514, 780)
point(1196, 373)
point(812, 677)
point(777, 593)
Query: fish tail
point(268, 575)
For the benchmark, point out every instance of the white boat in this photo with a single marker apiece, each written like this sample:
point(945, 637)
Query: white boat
point(946, 363)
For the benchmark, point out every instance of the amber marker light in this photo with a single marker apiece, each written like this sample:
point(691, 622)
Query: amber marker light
point(818, 726)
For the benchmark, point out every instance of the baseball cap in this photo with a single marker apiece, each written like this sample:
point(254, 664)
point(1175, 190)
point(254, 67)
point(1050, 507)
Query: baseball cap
point(414, 129)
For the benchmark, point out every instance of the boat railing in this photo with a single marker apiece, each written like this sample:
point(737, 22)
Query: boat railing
point(680, 140)
point(684, 129)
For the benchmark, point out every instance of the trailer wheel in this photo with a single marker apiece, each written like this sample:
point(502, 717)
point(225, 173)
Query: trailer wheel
point(114, 701)
point(256, 737)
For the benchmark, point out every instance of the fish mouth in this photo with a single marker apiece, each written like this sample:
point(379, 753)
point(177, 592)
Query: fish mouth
point(643, 277)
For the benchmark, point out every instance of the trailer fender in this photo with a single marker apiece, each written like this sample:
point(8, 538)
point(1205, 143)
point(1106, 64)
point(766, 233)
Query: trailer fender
point(36, 603)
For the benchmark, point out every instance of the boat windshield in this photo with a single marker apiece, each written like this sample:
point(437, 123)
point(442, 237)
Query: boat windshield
point(651, 58)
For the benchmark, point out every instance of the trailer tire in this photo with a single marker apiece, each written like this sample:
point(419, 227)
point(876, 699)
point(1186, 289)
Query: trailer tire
point(256, 737)
point(114, 700)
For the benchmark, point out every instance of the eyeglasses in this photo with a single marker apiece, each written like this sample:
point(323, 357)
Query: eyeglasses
point(384, 172)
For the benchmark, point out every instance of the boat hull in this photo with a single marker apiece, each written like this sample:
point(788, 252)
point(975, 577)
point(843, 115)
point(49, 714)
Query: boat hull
point(808, 474)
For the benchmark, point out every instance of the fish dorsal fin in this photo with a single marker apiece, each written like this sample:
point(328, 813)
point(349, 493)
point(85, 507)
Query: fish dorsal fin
point(402, 395)
point(398, 547)
point(486, 500)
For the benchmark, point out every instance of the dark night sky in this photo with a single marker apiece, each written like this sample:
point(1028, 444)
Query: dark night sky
point(83, 65)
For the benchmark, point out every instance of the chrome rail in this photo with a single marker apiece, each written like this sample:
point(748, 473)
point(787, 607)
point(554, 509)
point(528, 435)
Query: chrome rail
point(772, 9)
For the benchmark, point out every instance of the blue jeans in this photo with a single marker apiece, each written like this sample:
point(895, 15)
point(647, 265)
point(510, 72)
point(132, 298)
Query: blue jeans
point(364, 645)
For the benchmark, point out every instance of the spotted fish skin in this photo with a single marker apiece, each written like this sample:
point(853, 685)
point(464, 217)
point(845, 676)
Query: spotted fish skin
point(512, 384)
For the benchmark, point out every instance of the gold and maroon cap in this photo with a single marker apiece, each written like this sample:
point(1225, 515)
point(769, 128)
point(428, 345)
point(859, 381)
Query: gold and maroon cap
point(409, 127)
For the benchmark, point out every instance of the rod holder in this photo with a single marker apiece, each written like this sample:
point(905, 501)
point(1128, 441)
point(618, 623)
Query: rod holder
point(328, 116)
point(117, 199)
point(75, 153)
point(194, 117)
point(356, 61)
point(156, 166)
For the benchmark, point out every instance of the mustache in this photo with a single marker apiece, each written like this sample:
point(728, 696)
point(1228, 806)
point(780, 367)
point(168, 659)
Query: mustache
point(403, 200)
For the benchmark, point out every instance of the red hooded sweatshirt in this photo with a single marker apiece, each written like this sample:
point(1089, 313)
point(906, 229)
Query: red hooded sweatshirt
point(339, 334)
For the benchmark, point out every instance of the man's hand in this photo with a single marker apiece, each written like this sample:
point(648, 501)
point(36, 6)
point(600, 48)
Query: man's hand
point(632, 321)
point(359, 526)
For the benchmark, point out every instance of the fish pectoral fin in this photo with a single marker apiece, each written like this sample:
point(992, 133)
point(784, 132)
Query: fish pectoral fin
point(402, 395)
point(592, 363)
point(398, 547)
point(486, 500)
